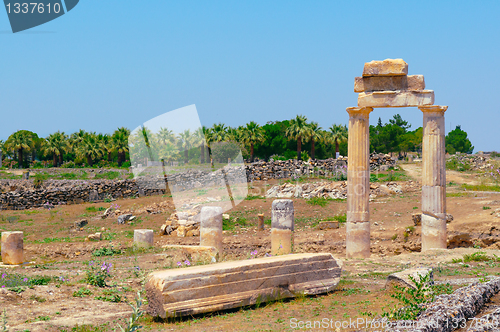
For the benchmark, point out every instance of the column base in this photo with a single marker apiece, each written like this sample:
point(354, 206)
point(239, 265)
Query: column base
point(281, 241)
point(433, 232)
point(358, 239)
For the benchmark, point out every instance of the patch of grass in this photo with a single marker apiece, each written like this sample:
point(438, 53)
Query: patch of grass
point(486, 208)
point(53, 239)
point(106, 252)
point(108, 175)
point(462, 194)
point(320, 201)
point(38, 299)
point(252, 197)
point(479, 256)
point(39, 280)
point(341, 218)
point(457, 165)
point(82, 292)
point(480, 187)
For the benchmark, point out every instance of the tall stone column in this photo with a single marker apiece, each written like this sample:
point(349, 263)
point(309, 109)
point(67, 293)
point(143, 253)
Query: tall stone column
point(358, 183)
point(211, 227)
point(433, 178)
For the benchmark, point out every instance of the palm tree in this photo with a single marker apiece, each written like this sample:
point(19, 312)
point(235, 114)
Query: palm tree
point(20, 141)
point(165, 135)
point(89, 148)
point(218, 132)
point(1, 151)
point(338, 134)
point(55, 144)
point(298, 130)
point(185, 142)
point(119, 141)
point(316, 136)
point(105, 145)
point(253, 134)
point(199, 135)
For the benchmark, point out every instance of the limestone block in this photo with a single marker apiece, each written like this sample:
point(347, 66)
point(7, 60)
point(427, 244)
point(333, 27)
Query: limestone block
point(387, 67)
point(396, 98)
point(403, 278)
point(389, 83)
point(328, 225)
point(211, 227)
point(206, 288)
point(195, 253)
point(143, 237)
point(282, 215)
point(12, 248)
point(281, 241)
point(95, 237)
point(80, 223)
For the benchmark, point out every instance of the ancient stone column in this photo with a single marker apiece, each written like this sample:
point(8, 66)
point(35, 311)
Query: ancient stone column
point(358, 183)
point(433, 178)
point(12, 248)
point(143, 237)
point(282, 225)
point(211, 227)
point(260, 226)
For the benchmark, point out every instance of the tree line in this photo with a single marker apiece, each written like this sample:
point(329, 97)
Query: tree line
point(296, 138)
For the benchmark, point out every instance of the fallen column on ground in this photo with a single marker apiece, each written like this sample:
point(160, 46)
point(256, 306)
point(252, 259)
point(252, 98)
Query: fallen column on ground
point(205, 288)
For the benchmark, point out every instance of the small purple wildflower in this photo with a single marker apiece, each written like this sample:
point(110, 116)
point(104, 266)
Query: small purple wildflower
point(179, 264)
point(268, 254)
point(187, 262)
point(25, 279)
point(3, 276)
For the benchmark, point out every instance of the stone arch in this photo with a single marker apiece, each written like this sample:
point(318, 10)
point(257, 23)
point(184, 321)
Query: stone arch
point(387, 84)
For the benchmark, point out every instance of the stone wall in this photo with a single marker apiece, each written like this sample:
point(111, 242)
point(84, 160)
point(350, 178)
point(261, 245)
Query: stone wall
point(21, 194)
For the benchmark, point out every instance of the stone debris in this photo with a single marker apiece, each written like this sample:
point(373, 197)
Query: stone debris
point(402, 278)
point(328, 225)
point(470, 162)
point(227, 285)
point(486, 323)
point(464, 304)
point(143, 237)
point(80, 223)
point(183, 223)
point(95, 237)
point(387, 84)
point(336, 190)
point(496, 213)
point(123, 218)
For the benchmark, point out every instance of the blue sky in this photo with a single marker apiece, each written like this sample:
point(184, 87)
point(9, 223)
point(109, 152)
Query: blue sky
point(108, 64)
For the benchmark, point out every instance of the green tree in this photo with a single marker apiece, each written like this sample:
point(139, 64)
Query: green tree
point(89, 148)
point(338, 134)
point(185, 141)
point(56, 144)
point(316, 135)
point(299, 130)
point(20, 141)
point(119, 141)
point(457, 141)
point(253, 134)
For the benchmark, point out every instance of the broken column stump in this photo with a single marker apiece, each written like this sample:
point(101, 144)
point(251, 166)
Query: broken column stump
point(206, 288)
point(282, 225)
point(211, 228)
point(143, 237)
point(12, 248)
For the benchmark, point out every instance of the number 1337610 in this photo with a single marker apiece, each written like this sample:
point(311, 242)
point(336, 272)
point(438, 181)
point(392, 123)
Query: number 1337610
point(33, 8)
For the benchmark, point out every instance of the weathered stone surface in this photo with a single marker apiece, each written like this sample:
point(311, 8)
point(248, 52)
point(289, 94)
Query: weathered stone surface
point(328, 225)
point(122, 219)
point(403, 278)
point(12, 248)
point(227, 285)
point(396, 98)
point(389, 83)
point(387, 67)
point(204, 254)
point(260, 225)
point(143, 237)
point(80, 223)
point(417, 218)
point(211, 227)
point(95, 237)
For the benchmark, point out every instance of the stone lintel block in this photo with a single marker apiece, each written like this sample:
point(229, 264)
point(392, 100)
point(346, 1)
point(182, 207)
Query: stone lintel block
point(221, 286)
point(389, 83)
point(396, 98)
point(12, 248)
point(328, 225)
point(387, 67)
point(402, 278)
point(143, 237)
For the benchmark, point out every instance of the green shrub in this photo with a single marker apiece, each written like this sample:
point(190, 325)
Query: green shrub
point(97, 273)
point(341, 218)
point(479, 256)
point(317, 201)
point(106, 252)
point(82, 292)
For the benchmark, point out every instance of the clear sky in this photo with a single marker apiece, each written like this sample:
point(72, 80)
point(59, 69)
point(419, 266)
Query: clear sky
point(108, 64)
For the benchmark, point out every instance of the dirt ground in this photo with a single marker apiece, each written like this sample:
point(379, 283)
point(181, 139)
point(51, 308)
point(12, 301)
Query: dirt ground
point(67, 303)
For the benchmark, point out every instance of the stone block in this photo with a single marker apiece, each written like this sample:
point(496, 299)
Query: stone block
point(403, 278)
point(389, 83)
point(211, 227)
point(80, 223)
point(195, 253)
point(387, 67)
point(206, 288)
point(396, 98)
point(12, 248)
point(143, 237)
point(95, 237)
point(328, 225)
